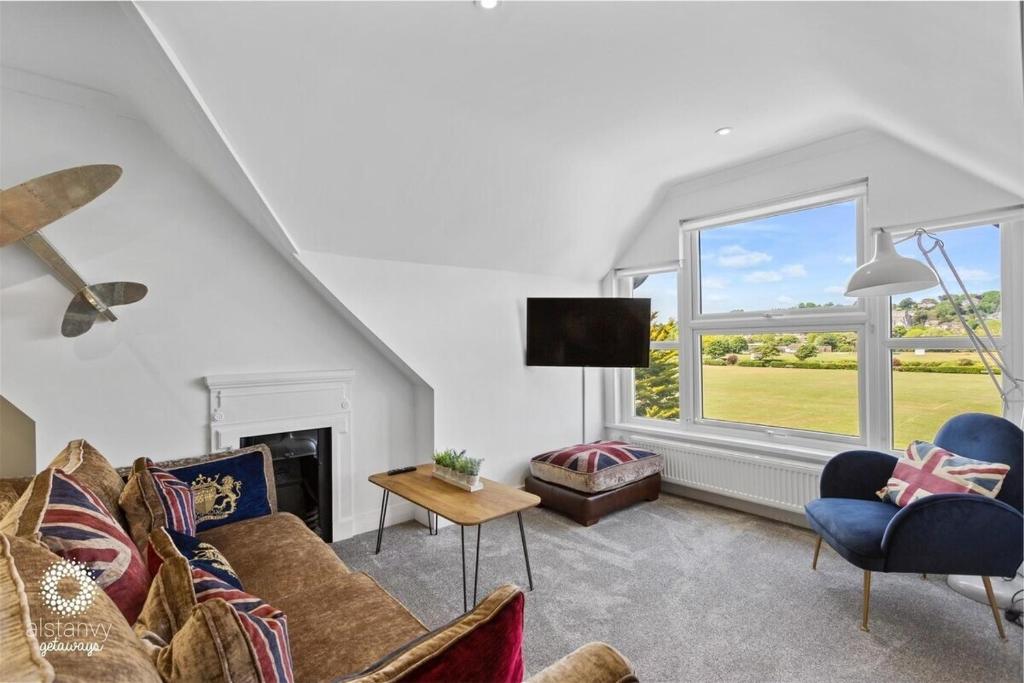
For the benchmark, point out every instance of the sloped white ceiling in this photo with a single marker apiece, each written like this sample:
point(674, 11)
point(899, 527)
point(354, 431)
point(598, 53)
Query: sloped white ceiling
point(535, 137)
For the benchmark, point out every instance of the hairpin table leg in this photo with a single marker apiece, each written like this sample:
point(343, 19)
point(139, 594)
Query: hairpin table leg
point(383, 514)
point(526, 553)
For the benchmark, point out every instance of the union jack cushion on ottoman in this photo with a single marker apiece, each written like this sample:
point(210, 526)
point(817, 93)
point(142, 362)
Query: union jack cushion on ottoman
point(595, 467)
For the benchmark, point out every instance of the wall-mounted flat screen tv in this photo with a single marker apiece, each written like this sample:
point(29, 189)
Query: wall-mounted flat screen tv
point(588, 332)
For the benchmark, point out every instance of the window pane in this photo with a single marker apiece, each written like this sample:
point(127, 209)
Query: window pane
point(929, 387)
point(660, 288)
point(795, 260)
point(975, 253)
point(657, 387)
point(802, 380)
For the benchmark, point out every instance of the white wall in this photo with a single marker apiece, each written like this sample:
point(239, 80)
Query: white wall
point(220, 301)
point(463, 331)
point(904, 185)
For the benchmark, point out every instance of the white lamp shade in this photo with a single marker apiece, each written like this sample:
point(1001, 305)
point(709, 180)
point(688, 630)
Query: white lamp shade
point(888, 273)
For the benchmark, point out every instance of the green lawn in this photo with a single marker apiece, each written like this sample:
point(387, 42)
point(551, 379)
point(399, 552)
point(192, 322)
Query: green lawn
point(826, 400)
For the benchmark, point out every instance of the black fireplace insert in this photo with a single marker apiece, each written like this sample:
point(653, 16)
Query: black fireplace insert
point(302, 474)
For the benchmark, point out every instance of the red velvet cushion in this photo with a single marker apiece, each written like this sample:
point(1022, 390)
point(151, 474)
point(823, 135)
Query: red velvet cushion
point(485, 644)
point(493, 652)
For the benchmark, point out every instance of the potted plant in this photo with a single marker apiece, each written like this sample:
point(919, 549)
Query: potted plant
point(473, 471)
point(446, 462)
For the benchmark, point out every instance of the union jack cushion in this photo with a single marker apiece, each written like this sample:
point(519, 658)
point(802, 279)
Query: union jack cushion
point(927, 469)
point(240, 633)
point(597, 466)
point(155, 498)
point(265, 627)
point(74, 523)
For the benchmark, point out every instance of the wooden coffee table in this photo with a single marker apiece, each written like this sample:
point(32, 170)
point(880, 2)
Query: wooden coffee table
point(494, 500)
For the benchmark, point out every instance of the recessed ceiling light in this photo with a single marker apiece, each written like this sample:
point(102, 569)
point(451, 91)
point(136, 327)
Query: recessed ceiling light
point(723, 131)
point(487, 4)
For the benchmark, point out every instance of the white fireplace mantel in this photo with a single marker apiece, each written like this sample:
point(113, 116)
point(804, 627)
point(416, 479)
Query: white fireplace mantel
point(271, 403)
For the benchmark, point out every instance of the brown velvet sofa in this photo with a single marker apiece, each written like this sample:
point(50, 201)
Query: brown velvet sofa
point(342, 625)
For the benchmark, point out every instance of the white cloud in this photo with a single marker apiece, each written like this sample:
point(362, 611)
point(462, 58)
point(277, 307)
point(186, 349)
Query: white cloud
point(760, 276)
point(976, 274)
point(785, 300)
point(848, 260)
point(716, 297)
point(790, 271)
point(735, 256)
point(714, 283)
point(835, 289)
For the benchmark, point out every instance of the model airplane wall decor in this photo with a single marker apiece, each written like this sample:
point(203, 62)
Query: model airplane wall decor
point(37, 203)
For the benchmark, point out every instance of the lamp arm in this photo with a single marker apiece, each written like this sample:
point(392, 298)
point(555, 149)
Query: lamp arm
point(988, 350)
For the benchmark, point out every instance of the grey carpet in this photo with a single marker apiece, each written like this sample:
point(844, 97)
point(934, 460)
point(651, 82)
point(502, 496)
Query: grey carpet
point(693, 592)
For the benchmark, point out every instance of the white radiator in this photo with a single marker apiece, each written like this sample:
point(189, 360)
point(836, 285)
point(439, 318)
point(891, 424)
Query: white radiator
point(782, 484)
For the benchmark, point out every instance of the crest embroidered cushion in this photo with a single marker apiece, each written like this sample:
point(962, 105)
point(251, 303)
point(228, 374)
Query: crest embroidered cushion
point(927, 469)
point(166, 543)
point(74, 523)
point(231, 487)
point(155, 498)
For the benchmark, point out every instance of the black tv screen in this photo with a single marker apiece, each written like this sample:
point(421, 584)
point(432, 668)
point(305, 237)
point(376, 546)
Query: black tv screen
point(598, 332)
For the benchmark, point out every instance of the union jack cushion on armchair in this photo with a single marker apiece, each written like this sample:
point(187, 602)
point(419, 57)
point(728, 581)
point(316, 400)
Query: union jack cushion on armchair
point(928, 469)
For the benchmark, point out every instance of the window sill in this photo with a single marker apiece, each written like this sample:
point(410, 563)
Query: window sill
point(806, 451)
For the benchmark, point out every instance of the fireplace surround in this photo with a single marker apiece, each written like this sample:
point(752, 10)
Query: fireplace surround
point(255, 408)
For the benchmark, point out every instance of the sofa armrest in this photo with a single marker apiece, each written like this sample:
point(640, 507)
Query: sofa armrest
point(955, 533)
point(856, 474)
point(592, 663)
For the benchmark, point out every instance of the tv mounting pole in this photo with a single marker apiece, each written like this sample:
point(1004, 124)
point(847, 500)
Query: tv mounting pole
point(583, 404)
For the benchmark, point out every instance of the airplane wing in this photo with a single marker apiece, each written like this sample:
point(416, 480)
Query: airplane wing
point(40, 201)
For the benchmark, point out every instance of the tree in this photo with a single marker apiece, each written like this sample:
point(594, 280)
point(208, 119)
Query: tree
point(905, 304)
point(945, 311)
point(837, 341)
point(990, 301)
point(718, 346)
point(769, 348)
point(806, 350)
point(899, 331)
point(657, 386)
point(787, 339)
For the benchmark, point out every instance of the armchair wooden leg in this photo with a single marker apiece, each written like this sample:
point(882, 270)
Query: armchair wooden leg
point(994, 606)
point(817, 549)
point(867, 599)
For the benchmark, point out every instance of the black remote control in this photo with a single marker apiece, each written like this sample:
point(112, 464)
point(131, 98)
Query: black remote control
point(401, 470)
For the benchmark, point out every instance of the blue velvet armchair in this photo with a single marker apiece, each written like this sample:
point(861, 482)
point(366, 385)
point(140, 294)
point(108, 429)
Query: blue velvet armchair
point(948, 533)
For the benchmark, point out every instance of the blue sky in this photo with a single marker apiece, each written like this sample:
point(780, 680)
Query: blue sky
point(777, 262)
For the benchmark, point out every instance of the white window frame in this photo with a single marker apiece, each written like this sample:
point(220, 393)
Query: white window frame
point(1010, 284)
point(869, 318)
point(623, 285)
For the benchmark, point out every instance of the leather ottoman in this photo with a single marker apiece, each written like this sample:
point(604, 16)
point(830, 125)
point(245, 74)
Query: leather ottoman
point(586, 508)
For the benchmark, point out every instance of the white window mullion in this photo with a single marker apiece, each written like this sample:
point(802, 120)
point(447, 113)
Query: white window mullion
point(689, 351)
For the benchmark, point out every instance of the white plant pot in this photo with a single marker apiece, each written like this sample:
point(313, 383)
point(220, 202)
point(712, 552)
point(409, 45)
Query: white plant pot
point(473, 479)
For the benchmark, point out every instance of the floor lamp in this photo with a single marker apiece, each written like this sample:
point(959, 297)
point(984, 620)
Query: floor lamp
point(888, 273)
